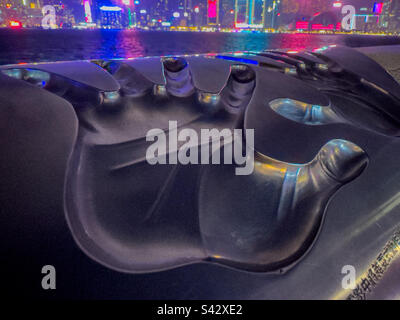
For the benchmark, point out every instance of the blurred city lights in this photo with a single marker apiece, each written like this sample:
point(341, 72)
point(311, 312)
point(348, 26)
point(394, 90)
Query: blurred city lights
point(110, 8)
point(376, 17)
point(378, 7)
point(14, 24)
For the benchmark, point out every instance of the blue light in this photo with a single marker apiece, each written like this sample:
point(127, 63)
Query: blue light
point(244, 60)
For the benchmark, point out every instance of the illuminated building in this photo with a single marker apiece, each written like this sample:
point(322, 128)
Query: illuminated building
point(141, 13)
point(369, 17)
point(26, 12)
point(227, 13)
point(127, 15)
point(241, 12)
point(181, 12)
point(185, 10)
point(88, 11)
point(199, 16)
point(251, 13)
point(257, 12)
point(390, 16)
point(321, 18)
point(272, 11)
point(110, 17)
point(213, 12)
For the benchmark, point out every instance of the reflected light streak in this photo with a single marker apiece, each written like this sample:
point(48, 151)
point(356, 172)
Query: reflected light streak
point(368, 221)
point(344, 293)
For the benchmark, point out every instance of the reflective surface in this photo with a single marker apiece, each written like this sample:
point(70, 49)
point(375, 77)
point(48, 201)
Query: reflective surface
point(55, 45)
point(128, 224)
point(107, 175)
point(303, 112)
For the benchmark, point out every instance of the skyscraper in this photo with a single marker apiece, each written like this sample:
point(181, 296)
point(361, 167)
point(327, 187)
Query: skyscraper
point(227, 13)
point(241, 12)
point(250, 12)
point(199, 16)
point(256, 11)
point(88, 11)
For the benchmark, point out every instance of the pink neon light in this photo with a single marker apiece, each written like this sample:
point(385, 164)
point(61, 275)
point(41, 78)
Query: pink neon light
point(302, 24)
point(318, 26)
point(212, 8)
point(378, 7)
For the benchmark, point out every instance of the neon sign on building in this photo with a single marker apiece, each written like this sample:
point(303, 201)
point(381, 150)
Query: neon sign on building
point(88, 11)
point(213, 11)
point(378, 7)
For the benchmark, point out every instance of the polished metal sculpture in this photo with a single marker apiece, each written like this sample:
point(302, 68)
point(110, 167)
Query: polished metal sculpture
point(313, 116)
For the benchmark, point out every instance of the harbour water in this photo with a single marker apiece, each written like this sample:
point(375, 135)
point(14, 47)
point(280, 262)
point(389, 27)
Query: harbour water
point(24, 45)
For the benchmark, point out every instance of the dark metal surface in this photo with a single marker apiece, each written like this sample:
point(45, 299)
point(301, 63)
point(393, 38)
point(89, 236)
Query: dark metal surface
point(135, 217)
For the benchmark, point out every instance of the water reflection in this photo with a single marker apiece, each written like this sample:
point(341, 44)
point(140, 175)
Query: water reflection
point(55, 45)
point(306, 41)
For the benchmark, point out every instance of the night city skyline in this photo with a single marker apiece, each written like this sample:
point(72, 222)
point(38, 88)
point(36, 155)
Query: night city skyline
point(202, 15)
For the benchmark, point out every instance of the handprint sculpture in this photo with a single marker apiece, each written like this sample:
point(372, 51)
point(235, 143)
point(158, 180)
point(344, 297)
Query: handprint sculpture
point(311, 132)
